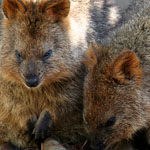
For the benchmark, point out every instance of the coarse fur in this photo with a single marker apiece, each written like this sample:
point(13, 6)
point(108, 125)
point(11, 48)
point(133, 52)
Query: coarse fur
point(42, 44)
point(32, 29)
point(117, 87)
point(135, 6)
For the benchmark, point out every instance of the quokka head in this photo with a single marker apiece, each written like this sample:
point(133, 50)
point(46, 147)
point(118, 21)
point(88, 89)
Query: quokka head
point(35, 46)
point(111, 107)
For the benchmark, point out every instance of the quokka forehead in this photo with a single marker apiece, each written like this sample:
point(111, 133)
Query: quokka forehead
point(33, 26)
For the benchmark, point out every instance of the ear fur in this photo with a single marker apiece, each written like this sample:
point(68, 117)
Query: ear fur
point(91, 56)
point(57, 8)
point(11, 7)
point(126, 67)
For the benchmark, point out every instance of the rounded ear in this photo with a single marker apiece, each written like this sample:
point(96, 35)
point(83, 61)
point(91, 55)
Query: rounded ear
point(57, 8)
point(126, 67)
point(12, 7)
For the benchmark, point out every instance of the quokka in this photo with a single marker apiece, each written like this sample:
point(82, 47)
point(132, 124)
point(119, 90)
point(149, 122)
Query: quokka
point(117, 85)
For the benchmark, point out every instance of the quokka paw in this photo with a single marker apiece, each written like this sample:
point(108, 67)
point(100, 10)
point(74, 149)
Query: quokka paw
point(42, 127)
point(30, 126)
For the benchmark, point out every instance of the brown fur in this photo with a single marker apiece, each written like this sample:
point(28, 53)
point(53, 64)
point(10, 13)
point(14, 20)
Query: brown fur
point(112, 89)
point(55, 7)
point(33, 32)
point(126, 66)
point(12, 7)
point(116, 86)
point(29, 29)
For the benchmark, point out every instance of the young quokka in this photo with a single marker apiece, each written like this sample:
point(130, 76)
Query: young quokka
point(117, 86)
point(113, 109)
point(41, 75)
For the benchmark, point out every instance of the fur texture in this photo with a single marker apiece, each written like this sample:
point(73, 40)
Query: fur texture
point(117, 87)
point(42, 44)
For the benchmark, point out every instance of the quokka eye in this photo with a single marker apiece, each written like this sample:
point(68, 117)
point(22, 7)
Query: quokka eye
point(18, 55)
point(110, 122)
point(47, 54)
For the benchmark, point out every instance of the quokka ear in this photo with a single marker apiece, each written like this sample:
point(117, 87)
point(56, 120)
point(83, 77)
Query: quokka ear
point(57, 8)
point(12, 7)
point(91, 56)
point(126, 67)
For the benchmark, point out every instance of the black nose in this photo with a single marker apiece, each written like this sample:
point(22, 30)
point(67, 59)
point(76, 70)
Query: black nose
point(32, 81)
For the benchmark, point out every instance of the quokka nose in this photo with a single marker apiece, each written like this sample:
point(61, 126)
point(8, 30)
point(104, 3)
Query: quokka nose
point(32, 81)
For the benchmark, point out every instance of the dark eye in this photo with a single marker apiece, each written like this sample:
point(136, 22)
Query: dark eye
point(110, 122)
point(47, 54)
point(18, 55)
